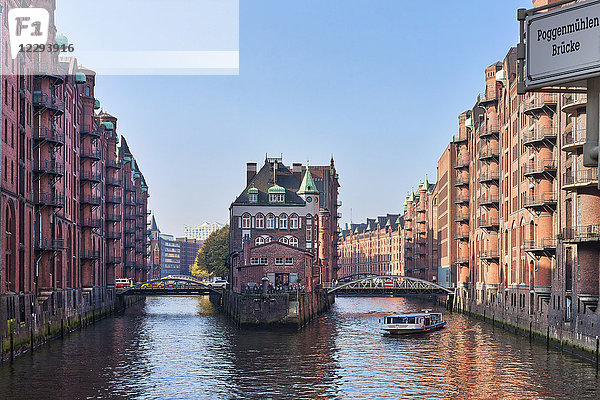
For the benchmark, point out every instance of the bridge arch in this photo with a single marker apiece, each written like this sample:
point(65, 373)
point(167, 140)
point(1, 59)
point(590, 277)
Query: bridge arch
point(163, 284)
point(385, 284)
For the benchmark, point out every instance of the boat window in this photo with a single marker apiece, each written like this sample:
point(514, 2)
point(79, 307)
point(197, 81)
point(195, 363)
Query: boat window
point(411, 320)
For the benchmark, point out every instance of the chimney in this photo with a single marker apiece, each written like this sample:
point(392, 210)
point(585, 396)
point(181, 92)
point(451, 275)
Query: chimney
point(297, 171)
point(250, 171)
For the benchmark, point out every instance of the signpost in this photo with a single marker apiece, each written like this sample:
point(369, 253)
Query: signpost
point(560, 50)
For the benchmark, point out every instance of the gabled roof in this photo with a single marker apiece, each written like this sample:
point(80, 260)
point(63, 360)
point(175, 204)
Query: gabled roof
point(264, 180)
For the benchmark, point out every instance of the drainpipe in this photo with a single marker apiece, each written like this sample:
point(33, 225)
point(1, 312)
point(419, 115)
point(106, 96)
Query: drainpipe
point(1, 86)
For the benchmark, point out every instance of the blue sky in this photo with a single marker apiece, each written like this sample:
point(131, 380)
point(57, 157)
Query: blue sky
point(377, 83)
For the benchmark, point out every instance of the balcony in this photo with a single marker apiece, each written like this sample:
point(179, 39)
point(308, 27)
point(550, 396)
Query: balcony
point(489, 177)
point(488, 153)
point(461, 217)
point(540, 169)
point(461, 260)
point(540, 202)
point(461, 199)
point(580, 234)
point(129, 243)
point(91, 153)
point(541, 102)
point(407, 218)
point(113, 199)
point(49, 199)
point(460, 138)
point(90, 254)
point(487, 98)
point(49, 167)
point(114, 164)
point(573, 140)
point(49, 135)
point(421, 241)
point(48, 70)
point(461, 163)
point(421, 219)
point(540, 247)
point(43, 102)
point(461, 236)
point(573, 102)
point(113, 260)
point(489, 255)
point(461, 181)
point(130, 187)
point(129, 230)
point(488, 222)
point(489, 131)
point(111, 181)
point(93, 200)
point(91, 223)
point(90, 176)
point(420, 251)
point(580, 179)
point(130, 215)
point(50, 245)
point(90, 130)
point(540, 135)
point(489, 199)
point(129, 202)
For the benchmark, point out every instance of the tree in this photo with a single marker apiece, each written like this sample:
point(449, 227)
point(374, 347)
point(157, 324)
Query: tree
point(213, 257)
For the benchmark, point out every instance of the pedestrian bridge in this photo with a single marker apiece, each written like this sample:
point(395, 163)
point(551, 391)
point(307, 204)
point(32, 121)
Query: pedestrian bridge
point(384, 285)
point(171, 285)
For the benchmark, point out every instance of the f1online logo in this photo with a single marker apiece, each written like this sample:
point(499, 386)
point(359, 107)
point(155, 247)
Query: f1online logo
point(28, 26)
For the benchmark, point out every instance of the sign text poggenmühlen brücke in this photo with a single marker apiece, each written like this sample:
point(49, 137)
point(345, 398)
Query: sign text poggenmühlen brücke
point(563, 45)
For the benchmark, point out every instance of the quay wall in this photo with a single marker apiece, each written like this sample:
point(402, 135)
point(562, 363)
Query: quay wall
point(27, 321)
point(281, 310)
point(579, 336)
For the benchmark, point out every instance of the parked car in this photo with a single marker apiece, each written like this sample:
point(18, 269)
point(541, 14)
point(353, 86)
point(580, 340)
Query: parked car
point(218, 283)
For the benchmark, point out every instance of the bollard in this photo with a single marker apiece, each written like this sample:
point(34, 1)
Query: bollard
point(548, 338)
point(597, 346)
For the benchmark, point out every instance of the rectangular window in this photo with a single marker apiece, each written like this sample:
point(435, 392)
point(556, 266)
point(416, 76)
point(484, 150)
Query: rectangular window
point(254, 261)
point(289, 261)
point(278, 260)
point(263, 261)
point(308, 233)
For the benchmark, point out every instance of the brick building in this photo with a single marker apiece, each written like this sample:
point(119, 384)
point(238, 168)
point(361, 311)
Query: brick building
point(71, 196)
point(284, 225)
point(188, 250)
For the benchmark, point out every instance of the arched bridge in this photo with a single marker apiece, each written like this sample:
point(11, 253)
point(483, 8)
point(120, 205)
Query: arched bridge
point(385, 285)
point(173, 285)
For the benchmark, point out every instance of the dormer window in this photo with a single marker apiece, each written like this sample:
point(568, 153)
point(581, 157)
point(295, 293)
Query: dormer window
point(276, 194)
point(253, 195)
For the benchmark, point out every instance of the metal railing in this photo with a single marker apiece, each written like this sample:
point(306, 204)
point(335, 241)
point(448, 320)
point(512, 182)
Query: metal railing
point(489, 222)
point(489, 176)
point(461, 199)
point(49, 135)
point(461, 217)
point(90, 254)
point(49, 167)
point(88, 152)
point(540, 167)
point(488, 152)
point(90, 176)
point(489, 254)
point(49, 199)
point(50, 244)
point(587, 233)
point(114, 164)
point(461, 181)
point(111, 181)
point(90, 199)
point(42, 100)
point(540, 100)
point(461, 163)
point(91, 130)
point(540, 134)
point(540, 199)
point(461, 260)
point(540, 244)
point(574, 138)
point(489, 198)
point(584, 177)
point(91, 222)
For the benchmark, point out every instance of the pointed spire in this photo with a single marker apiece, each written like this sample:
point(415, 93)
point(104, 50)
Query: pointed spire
point(308, 184)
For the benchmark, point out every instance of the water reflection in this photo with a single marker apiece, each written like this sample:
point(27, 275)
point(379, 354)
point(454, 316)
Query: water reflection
point(181, 348)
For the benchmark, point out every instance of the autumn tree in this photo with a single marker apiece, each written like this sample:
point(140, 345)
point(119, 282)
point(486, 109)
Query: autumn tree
point(213, 257)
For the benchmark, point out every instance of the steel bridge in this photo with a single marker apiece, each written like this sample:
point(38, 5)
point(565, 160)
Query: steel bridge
point(384, 285)
point(172, 285)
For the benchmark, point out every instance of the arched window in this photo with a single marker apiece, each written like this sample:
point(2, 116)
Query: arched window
point(259, 240)
point(283, 221)
point(294, 221)
point(246, 221)
point(260, 221)
point(270, 221)
point(284, 240)
point(267, 239)
point(293, 241)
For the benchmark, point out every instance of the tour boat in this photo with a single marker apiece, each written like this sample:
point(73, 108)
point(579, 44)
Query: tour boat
point(402, 324)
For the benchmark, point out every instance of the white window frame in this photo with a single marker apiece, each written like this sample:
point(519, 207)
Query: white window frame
point(260, 221)
point(283, 221)
point(279, 260)
point(294, 221)
point(270, 221)
point(289, 261)
point(263, 260)
point(259, 240)
point(253, 198)
point(284, 240)
point(293, 241)
point(246, 221)
point(254, 261)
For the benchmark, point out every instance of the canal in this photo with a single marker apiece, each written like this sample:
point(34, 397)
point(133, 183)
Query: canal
point(180, 348)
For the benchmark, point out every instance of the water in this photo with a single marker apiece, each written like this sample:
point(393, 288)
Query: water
point(180, 348)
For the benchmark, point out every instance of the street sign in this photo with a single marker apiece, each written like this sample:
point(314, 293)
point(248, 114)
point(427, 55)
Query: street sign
point(563, 45)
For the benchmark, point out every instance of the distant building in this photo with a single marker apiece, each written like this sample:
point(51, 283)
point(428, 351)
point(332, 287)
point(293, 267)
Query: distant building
point(202, 231)
point(153, 261)
point(188, 250)
point(284, 226)
point(169, 255)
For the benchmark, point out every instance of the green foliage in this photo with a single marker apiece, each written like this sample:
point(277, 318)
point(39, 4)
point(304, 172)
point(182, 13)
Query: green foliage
point(213, 257)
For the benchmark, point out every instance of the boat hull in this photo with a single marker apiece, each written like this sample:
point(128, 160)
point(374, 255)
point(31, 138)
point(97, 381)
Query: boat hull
point(412, 331)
